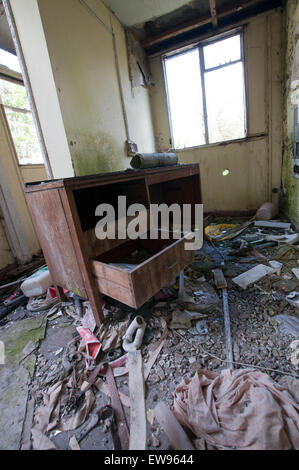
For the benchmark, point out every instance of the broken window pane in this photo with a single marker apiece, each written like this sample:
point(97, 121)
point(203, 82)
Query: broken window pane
point(225, 103)
point(185, 99)
point(222, 52)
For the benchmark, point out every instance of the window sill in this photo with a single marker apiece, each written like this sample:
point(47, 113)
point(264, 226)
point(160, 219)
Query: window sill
point(226, 142)
point(32, 165)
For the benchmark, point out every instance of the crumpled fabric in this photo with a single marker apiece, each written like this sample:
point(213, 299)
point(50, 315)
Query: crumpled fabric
point(238, 409)
point(47, 416)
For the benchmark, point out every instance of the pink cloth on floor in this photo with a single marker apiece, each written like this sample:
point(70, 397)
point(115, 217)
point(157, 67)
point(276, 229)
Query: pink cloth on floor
point(238, 409)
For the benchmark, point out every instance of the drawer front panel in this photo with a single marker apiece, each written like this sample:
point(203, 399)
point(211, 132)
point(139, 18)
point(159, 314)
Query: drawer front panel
point(159, 270)
point(122, 294)
point(116, 275)
point(138, 286)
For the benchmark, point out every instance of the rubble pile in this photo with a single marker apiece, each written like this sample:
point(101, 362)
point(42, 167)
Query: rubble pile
point(176, 335)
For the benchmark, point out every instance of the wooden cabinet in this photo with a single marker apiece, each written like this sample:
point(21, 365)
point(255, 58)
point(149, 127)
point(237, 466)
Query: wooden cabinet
point(63, 212)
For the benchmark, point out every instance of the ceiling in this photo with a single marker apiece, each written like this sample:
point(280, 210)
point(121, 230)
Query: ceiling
point(160, 25)
point(192, 20)
point(134, 12)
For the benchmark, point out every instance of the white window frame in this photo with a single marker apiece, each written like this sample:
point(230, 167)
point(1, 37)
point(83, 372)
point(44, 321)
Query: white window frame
point(199, 46)
point(16, 78)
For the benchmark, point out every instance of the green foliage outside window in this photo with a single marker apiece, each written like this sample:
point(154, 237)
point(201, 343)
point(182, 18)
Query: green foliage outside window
point(20, 122)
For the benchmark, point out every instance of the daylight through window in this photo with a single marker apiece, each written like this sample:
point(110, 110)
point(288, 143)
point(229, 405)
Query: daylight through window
point(18, 113)
point(206, 95)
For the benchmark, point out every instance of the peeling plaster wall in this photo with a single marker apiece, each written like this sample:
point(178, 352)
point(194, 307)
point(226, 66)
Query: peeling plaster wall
point(85, 74)
point(291, 97)
point(255, 164)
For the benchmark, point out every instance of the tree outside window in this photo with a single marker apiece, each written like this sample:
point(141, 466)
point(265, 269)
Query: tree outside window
point(18, 113)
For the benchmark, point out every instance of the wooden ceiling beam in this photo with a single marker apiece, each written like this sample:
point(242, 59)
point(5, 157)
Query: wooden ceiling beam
point(213, 13)
point(195, 24)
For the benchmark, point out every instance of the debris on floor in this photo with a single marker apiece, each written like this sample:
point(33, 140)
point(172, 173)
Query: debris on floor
point(143, 378)
point(20, 341)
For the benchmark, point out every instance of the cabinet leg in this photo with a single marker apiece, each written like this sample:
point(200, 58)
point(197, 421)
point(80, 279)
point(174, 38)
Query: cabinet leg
point(95, 303)
point(60, 294)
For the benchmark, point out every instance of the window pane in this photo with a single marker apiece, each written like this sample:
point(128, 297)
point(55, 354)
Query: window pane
point(185, 99)
point(24, 137)
point(225, 103)
point(222, 52)
point(13, 95)
point(9, 60)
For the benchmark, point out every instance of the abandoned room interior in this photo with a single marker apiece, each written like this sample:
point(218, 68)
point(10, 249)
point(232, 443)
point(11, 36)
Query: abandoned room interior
point(149, 225)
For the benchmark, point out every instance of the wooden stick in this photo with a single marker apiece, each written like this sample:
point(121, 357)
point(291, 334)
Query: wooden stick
point(122, 429)
point(227, 331)
point(172, 428)
point(138, 412)
point(221, 283)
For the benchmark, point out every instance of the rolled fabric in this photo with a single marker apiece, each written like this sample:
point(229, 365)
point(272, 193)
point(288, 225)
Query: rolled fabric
point(152, 160)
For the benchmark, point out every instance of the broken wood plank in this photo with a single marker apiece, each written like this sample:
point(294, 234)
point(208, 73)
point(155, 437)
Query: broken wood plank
point(103, 387)
point(296, 272)
point(253, 275)
point(219, 279)
point(227, 331)
point(138, 410)
point(172, 428)
point(221, 283)
point(272, 224)
point(122, 429)
point(156, 351)
point(73, 443)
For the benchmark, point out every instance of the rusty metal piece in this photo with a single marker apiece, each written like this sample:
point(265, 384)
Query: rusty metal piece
point(106, 413)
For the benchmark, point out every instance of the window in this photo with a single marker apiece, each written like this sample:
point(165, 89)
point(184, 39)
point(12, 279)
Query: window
point(17, 109)
point(205, 87)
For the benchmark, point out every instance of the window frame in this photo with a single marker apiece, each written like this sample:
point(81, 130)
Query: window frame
point(199, 46)
point(15, 78)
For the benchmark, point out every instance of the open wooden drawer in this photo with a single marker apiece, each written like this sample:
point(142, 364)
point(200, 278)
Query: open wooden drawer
point(135, 271)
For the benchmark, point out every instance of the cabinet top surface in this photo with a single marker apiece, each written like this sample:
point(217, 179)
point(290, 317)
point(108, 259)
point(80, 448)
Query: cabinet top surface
point(91, 180)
